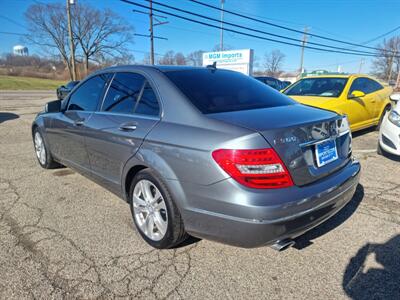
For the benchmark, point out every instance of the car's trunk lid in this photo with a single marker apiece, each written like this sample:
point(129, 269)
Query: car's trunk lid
point(294, 131)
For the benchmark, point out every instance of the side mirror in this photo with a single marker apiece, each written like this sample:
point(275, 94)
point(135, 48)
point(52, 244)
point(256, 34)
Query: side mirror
point(53, 106)
point(356, 94)
point(395, 97)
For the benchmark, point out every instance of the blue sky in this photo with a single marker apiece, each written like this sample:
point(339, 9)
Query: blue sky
point(351, 20)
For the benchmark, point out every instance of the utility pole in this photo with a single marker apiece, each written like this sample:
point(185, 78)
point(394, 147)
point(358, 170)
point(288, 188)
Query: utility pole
point(303, 43)
point(151, 33)
point(397, 80)
point(71, 38)
point(361, 65)
point(391, 65)
point(221, 41)
point(151, 28)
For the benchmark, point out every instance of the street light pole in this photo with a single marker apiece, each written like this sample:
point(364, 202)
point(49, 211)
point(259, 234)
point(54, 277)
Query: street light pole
point(221, 42)
point(302, 50)
point(71, 38)
point(151, 33)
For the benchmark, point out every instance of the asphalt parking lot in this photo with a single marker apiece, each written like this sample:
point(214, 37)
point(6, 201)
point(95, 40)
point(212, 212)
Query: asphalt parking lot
point(63, 236)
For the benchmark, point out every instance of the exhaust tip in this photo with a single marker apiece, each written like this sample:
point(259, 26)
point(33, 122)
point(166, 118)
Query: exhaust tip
point(283, 244)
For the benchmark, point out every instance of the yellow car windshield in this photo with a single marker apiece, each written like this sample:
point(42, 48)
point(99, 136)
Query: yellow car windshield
point(321, 87)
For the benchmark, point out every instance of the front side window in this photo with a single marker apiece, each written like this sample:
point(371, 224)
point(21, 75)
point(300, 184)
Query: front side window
point(88, 95)
point(215, 91)
point(365, 85)
point(321, 87)
point(130, 93)
point(373, 86)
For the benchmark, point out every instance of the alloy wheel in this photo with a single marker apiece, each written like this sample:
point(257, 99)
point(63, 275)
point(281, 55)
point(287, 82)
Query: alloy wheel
point(40, 148)
point(150, 211)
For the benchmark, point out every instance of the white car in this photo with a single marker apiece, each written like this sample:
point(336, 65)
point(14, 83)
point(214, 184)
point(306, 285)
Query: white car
point(389, 132)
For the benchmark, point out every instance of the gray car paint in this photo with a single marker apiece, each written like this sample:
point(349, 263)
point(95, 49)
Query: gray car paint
point(178, 145)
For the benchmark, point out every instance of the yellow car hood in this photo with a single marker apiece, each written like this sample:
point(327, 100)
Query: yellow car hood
point(322, 102)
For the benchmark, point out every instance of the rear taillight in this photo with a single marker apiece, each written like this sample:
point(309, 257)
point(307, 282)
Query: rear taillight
point(259, 168)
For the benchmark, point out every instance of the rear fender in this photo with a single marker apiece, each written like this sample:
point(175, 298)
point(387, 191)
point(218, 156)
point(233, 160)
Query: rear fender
point(147, 159)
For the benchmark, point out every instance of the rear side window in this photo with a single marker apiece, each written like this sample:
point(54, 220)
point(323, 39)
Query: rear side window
point(213, 91)
point(123, 93)
point(88, 95)
point(148, 104)
point(130, 93)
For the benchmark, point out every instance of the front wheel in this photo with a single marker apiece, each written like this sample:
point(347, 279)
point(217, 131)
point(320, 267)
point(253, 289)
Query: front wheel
point(43, 155)
point(154, 213)
point(387, 108)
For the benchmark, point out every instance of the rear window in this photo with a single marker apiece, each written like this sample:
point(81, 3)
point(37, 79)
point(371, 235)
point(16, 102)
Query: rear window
point(214, 91)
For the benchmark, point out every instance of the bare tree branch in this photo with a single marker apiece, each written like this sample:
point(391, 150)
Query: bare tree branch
point(273, 63)
point(386, 65)
point(101, 34)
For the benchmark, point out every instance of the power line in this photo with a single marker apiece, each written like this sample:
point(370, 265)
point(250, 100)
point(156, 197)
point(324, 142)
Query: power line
point(12, 21)
point(249, 34)
point(13, 33)
point(286, 28)
point(152, 24)
point(254, 30)
point(382, 35)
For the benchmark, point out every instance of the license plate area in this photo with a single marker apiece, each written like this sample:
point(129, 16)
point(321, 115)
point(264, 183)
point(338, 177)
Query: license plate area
point(325, 152)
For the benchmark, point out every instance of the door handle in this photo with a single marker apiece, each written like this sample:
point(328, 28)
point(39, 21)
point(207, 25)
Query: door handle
point(79, 122)
point(127, 127)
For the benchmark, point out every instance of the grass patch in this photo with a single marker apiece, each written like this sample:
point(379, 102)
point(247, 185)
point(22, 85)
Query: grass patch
point(28, 83)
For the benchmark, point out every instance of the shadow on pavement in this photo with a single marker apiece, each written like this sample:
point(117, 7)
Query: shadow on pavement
point(305, 240)
point(363, 131)
point(379, 280)
point(391, 156)
point(189, 241)
point(5, 116)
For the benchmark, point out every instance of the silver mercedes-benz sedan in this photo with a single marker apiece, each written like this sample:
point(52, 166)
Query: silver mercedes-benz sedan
point(202, 151)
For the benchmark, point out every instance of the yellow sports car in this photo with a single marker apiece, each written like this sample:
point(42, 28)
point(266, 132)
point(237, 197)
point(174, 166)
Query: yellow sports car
point(363, 99)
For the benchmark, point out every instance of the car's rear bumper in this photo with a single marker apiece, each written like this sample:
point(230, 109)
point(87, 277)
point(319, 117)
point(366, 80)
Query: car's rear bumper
point(230, 213)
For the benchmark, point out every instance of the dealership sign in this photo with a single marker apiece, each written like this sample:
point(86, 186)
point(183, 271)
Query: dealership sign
point(235, 60)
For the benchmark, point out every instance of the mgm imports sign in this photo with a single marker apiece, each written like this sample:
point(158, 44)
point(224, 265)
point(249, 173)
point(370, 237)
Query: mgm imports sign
point(235, 60)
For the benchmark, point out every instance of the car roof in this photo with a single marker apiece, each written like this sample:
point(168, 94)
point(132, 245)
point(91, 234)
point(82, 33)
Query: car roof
point(162, 68)
point(338, 76)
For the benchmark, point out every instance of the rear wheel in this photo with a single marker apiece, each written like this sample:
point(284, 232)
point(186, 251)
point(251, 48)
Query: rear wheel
point(154, 213)
point(43, 155)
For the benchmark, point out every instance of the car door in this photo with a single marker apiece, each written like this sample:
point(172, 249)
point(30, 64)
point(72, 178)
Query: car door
point(377, 99)
point(361, 110)
point(129, 111)
point(67, 131)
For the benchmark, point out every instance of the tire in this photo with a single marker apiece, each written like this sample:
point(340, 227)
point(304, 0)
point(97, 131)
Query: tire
point(174, 231)
point(387, 108)
point(45, 158)
point(380, 150)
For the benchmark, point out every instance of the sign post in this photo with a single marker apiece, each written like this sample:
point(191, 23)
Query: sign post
point(235, 60)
